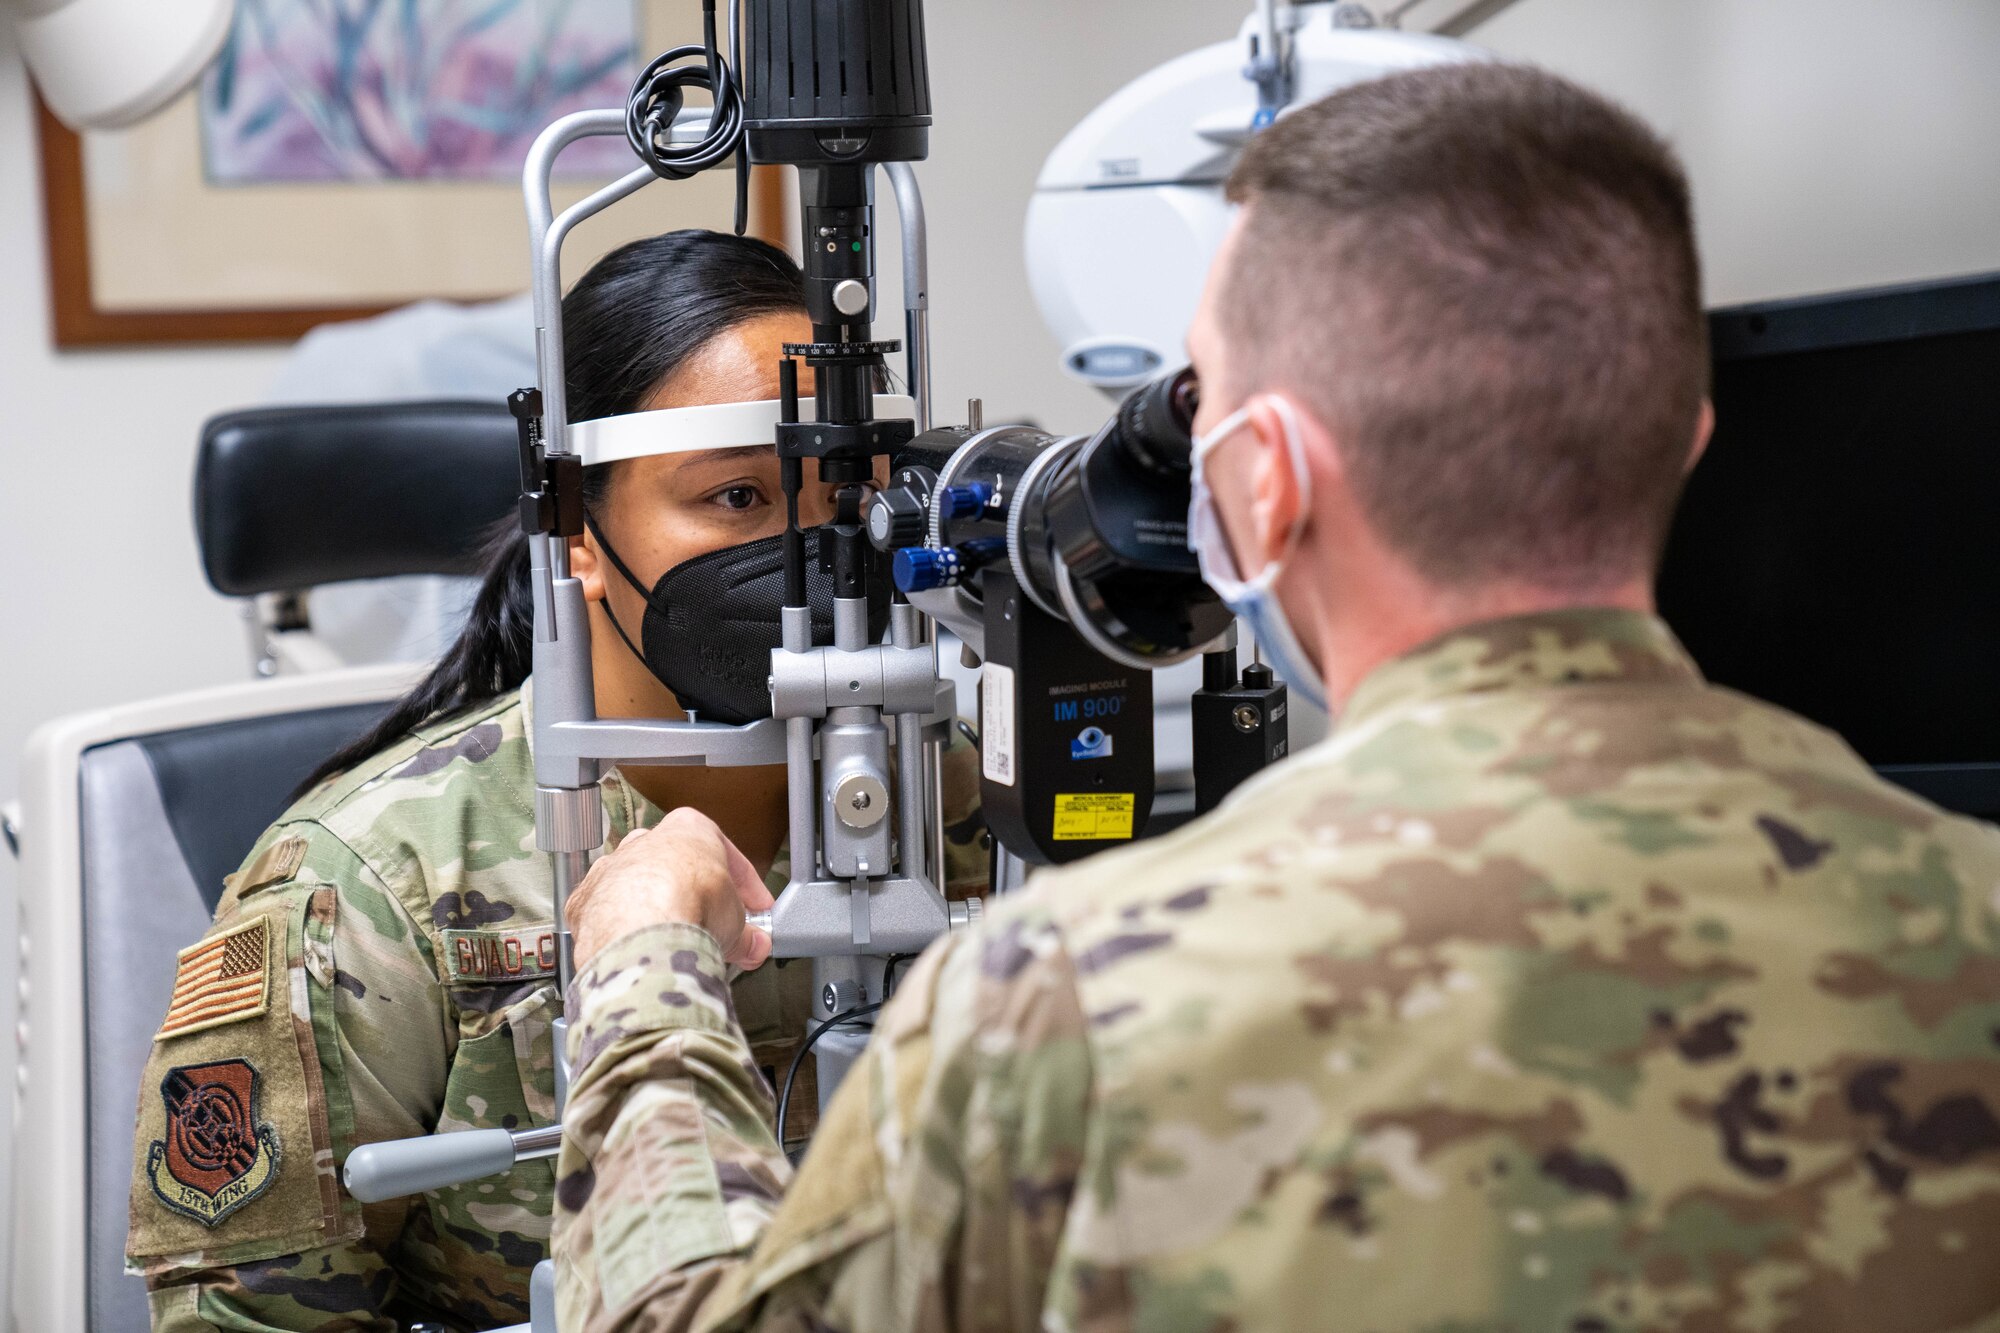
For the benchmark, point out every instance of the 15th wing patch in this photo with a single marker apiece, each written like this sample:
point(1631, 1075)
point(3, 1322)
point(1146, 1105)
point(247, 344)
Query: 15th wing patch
point(223, 979)
point(216, 1156)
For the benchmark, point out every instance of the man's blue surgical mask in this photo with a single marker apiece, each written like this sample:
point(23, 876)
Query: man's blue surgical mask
point(1256, 599)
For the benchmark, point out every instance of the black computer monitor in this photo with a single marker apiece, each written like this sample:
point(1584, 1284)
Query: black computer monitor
point(1838, 549)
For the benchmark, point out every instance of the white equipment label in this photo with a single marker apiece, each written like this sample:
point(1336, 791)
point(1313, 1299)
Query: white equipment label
point(996, 724)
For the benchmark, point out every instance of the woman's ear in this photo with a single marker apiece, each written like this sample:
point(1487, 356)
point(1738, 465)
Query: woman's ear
point(586, 565)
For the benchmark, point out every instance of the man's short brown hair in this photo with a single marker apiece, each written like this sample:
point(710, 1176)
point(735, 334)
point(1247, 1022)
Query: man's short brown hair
point(1483, 279)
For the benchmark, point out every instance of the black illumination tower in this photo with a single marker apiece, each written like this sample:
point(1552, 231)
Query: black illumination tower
point(834, 88)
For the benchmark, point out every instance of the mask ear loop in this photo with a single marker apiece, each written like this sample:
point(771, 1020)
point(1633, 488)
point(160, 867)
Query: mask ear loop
point(1301, 472)
point(590, 521)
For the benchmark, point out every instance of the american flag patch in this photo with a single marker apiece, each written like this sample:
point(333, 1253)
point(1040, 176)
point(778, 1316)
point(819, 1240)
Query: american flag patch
point(220, 980)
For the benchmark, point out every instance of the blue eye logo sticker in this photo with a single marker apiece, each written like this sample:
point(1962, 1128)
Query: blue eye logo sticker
point(1090, 743)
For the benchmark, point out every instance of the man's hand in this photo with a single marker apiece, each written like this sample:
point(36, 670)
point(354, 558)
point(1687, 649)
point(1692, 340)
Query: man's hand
point(683, 871)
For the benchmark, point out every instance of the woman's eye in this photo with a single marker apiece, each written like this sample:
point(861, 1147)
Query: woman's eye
point(738, 497)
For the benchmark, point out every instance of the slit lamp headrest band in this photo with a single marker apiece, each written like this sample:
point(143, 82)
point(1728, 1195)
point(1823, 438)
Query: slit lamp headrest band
point(686, 430)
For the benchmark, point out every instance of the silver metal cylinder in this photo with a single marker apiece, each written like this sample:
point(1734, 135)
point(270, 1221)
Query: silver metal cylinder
point(799, 798)
point(533, 1144)
point(1010, 872)
point(854, 762)
point(933, 809)
point(795, 624)
point(917, 329)
point(568, 819)
point(906, 626)
point(559, 1038)
point(571, 867)
point(850, 624)
point(541, 585)
point(911, 824)
point(916, 284)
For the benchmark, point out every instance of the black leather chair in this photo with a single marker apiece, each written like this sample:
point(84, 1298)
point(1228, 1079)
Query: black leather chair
point(372, 492)
point(288, 498)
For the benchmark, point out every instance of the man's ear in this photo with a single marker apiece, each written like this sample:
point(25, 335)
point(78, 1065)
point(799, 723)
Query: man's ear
point(1703, 432)
point(1276, 498)
point(586, 565)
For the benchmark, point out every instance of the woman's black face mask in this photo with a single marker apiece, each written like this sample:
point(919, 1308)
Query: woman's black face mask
point(713, 621)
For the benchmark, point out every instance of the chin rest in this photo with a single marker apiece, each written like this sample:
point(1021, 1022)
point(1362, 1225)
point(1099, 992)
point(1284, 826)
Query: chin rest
point(288, 498)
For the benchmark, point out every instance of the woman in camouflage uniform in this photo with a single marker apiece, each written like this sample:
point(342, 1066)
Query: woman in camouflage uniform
point(398, 916)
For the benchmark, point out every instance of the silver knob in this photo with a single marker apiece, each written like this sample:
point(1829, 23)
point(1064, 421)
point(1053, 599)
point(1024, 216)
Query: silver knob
point(850, 298)
point(860, 800)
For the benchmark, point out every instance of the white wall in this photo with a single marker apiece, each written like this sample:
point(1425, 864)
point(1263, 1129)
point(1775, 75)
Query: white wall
point(1832, 143)
point(102, 599)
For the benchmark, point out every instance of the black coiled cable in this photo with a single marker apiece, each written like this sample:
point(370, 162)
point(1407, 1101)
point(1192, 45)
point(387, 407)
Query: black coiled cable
point(660, 93)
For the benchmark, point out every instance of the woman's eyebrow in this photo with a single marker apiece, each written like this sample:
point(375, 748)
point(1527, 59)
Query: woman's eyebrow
point(733, 454)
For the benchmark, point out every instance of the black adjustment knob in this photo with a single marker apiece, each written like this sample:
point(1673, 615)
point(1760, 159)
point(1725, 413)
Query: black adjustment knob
point(1257, 676)
point(896, 518)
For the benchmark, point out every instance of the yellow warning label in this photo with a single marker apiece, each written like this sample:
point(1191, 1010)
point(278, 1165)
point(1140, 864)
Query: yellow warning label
point(1094, 816)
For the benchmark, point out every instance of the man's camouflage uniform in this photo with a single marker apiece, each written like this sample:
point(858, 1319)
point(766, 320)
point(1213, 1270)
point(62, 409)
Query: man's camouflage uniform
point(409, 989)
point(1557, 992)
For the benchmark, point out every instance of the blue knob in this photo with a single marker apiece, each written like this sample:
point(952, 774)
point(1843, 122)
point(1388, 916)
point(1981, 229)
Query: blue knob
point(923, 568)
point(968, 501)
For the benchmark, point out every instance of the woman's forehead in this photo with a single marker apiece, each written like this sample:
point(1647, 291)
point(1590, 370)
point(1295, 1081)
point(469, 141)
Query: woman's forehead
point(738, 365)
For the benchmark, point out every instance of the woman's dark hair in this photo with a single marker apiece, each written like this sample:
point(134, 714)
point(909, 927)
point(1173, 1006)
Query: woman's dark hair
point(639, 315)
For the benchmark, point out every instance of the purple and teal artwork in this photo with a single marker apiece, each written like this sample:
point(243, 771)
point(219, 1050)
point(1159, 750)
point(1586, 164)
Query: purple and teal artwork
point(442, 90)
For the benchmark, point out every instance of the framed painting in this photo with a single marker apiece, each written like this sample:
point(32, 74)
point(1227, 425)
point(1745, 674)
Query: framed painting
point(343, 157)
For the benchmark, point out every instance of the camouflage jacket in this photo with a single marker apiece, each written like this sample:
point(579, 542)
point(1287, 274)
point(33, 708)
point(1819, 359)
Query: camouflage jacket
point(383, 967)
point(1557, 992)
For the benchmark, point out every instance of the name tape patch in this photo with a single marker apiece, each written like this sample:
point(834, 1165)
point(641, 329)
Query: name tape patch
point(475, 957)
point(221, 980)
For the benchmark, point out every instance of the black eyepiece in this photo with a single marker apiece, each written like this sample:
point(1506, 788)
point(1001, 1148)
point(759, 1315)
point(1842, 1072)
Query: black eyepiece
point(1155, 425)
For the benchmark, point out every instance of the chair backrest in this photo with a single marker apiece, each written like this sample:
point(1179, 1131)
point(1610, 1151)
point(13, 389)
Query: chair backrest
point(130, 820)
point(295, 497)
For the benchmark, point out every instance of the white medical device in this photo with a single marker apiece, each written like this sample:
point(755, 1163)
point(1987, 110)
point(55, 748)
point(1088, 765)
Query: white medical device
point(1129, 207)
point(105, 64)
